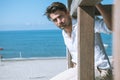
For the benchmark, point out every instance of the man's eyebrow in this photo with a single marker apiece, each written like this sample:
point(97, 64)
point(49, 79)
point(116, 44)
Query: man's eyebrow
point(53, 19)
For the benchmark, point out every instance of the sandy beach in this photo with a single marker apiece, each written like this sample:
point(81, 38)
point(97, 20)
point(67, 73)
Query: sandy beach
point(31, 69)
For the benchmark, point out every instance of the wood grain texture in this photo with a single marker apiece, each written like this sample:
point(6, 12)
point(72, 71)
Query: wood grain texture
point(86, 43)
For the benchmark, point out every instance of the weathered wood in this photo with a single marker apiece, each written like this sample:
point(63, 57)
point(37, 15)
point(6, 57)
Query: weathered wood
point(70, 64)
point(86, 43)
point(116, 39)
point(76, 3)
point(89, 2)
point(106, 7)
point(69, 4)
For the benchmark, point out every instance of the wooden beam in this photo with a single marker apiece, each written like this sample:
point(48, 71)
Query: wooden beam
point(116, 39)
point(86, 43)
point(107, 7)
point(69, 4)
point(76, 3)
point(69, 57)
point(70, 64)
point(89, 2)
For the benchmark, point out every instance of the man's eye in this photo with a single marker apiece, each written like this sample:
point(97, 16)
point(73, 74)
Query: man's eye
point(54, 20)
point(60, 16)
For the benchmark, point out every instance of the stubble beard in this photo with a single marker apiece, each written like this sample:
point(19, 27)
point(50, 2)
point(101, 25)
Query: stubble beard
point(69, 23)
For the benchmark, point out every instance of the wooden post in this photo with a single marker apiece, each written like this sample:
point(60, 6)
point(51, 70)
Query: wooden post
point(116, 39)
point(70, 64)
point(69, 4)
point(86, 43)
point(85, 16)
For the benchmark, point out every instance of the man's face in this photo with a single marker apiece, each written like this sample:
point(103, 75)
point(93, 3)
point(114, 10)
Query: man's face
point(61, 19)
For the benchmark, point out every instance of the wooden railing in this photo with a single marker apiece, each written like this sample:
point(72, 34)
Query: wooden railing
point(84, 11)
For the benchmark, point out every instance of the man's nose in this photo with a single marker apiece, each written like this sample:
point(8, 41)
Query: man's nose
point(59, 21)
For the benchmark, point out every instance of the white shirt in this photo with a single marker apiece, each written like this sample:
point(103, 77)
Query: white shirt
point(101, 59)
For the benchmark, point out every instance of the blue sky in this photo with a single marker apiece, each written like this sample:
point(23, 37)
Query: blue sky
point(27, 14)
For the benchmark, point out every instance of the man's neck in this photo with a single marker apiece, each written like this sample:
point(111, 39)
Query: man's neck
point(68, 30)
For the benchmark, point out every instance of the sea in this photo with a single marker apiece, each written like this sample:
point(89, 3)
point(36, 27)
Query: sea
point(38, 44)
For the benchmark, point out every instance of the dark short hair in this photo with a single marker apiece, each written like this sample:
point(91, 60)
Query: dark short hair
point(54, 7)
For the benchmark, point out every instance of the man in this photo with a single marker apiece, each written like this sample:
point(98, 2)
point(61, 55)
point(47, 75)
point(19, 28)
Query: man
point(58, 13)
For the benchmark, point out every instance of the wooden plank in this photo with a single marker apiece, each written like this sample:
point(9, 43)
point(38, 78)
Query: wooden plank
point(76, 3)
point(70, 64)
point(89, 2)
point(107, 7)
point(86, 43)
point(116, 39)
point(69, 4)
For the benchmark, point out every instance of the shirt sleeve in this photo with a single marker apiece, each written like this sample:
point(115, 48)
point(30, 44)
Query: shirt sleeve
point(100, 26)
